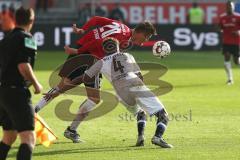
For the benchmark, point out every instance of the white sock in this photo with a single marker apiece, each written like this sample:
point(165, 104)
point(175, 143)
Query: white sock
point(228, 69)
point(84, 109)
point(44, 101)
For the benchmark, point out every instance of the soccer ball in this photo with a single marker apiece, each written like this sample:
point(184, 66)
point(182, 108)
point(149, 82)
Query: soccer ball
point(161, 49)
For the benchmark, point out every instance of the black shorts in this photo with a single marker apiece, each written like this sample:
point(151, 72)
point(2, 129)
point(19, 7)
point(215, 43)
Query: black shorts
point(76, 65)
point(16, 111)
point(232, 49)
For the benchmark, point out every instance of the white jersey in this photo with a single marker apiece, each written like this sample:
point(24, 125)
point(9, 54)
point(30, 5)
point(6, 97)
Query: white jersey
point(115, 67)
point(120, 69)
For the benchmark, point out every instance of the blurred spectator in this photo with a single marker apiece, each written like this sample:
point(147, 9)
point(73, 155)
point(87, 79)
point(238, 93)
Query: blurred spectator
point(7, 18)
point(117, 14)
point(195, 14)
point(84, 13)
point(99, 11)
point(42, 4)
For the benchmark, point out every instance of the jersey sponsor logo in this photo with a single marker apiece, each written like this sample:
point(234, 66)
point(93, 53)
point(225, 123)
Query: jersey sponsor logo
point(30, 43)
point(110, 29)
point(115, 55)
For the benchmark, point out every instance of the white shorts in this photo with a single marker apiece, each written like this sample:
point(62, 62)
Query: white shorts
point(138, 98)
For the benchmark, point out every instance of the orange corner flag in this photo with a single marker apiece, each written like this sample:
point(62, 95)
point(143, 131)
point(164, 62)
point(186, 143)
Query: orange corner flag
point(43, 132)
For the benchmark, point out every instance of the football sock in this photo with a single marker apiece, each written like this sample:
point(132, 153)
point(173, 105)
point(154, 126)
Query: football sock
point(24, 152)
point(162, 122)
point(4, 149)
point(83, 111)
point(44, 101)
point(141, 122)
point(161, 127)
point(228, 69)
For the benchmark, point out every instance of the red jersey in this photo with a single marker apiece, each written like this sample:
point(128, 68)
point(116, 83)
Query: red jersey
point(230, 24)
point(103, 27)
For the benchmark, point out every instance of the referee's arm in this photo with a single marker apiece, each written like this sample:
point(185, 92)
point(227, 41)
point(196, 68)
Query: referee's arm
point(27, 72)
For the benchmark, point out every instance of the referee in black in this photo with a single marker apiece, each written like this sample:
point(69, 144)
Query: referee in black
point(17, 55)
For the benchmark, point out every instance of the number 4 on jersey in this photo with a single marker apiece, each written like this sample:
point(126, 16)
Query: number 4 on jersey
point(117, 66)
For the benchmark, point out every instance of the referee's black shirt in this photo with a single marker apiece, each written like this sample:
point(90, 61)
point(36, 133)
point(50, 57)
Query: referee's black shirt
point(17, 47)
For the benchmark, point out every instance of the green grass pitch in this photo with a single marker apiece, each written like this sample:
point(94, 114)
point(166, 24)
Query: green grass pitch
point(210, 129)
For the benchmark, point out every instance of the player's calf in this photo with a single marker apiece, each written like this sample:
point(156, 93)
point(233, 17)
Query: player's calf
point(27, 145)
point(86, 107)
point(228, 69)
point(45, 100)
point(162, 121)
point(8, 139)
point(141, 123)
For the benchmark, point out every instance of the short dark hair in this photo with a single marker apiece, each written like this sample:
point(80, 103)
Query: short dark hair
point(24, 16)
point(146, 27)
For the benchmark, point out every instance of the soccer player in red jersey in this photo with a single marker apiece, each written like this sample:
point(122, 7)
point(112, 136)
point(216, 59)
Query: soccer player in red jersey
point(104, 27)
point(94, 31)
point(230, 27)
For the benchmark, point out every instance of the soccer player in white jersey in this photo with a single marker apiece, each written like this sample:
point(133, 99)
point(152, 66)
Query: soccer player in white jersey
point(124, 74)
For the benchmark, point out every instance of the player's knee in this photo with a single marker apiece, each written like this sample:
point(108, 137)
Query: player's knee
point(9, 137)
point(141, 115)
point(87, 106)
point(83, 112)
point(162, 116)
point(28, 137)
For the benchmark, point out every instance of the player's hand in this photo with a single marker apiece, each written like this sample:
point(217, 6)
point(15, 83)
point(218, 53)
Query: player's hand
point(69, 50)
point(77, 30)
point(37, 88)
